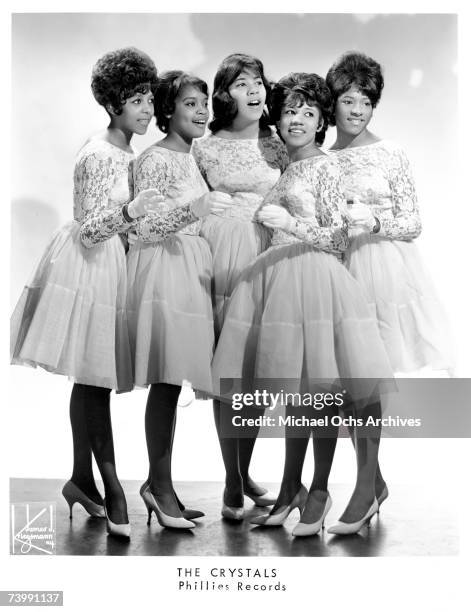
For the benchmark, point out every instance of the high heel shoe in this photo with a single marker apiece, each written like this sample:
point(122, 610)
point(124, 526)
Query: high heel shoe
point(307, 529)
point(341, 528)
point(165, 520)
point(232, 513)
point(272, 520)
point(187, 513)
point(267, 499)
point(383, 495)
point(73, 494)
point(121, 530)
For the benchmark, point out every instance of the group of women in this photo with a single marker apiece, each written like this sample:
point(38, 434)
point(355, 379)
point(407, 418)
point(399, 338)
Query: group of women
point(249, 253)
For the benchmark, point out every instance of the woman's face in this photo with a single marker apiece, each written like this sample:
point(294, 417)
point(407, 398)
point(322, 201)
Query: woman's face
point(249, 94)
point(191, 113)
point(136, 113)
point(299, 124)
point(353, 112)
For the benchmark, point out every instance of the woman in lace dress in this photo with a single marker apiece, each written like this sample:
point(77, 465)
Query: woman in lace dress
point(70, 318)
point(382, 254)
point(243, 158)
point(298, 314)
point(169, 279)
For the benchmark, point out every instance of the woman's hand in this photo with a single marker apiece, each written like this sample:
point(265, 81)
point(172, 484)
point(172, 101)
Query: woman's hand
point(215, 202)
point(132, 238)
point(148, 200)
point(275, 217)
point(360, 215)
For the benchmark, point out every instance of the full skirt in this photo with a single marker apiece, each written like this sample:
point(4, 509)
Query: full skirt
point(169, 311)
point(71, 317)
point(401, 296)
point(298, 314)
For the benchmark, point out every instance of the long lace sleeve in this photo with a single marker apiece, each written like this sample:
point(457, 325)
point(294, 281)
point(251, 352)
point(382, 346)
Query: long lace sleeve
point(198, 155)
point(94, 177)
point(153, 171)
point(328, 230)
point(282, 157)
point(406, 223)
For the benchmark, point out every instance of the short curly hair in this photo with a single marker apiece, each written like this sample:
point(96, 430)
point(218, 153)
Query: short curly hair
point(224, 106)
point(169, 86)
point(355, 69)
point(300, 88)
point(120, 74)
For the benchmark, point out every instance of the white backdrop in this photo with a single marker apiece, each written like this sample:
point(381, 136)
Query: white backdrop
point(54, 112)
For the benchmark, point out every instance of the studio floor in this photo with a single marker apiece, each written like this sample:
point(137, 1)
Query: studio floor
point(413, 522)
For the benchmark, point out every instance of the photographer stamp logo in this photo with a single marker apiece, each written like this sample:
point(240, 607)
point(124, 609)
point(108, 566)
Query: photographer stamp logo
point(33, 528)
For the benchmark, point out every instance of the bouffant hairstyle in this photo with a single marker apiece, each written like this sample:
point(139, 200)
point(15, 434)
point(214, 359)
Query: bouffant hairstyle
point(120, 74)
point(299, 88)
point(359, 70)
point(224, 106)
point(169, 86)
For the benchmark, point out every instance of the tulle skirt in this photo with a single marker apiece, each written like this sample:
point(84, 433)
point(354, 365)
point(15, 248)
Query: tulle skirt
point(234, 244)
point(400, 294)
point(170, 313)
point(298, 314)
point(71, 317)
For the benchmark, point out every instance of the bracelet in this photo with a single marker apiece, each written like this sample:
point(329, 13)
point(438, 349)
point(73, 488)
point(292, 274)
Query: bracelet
point(126, 215)
point(377, 226)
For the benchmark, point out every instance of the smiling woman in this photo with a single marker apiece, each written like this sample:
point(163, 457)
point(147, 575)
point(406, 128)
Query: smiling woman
point(70, 318)
point(171, 323)
point(385, 220)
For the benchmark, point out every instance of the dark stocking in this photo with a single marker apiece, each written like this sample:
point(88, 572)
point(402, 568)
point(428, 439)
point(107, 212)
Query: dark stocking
point(98, 419)
point(366, 447)
point(82, 472)
point(160, 425)
point(295, 452)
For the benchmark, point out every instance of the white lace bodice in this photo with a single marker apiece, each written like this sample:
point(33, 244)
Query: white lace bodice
point(102, 185)
point(176, 176)
point(312, 193)
point(246, 169)
point(380, 175)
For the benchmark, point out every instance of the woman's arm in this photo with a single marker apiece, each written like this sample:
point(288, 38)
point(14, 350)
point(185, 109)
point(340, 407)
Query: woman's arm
point(326, 198)
point(153, 171)
point(94, 176)
point(406, 223)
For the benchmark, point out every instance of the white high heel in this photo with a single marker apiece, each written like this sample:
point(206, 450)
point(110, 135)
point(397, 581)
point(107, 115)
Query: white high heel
point(73, 494)
point(342, 528)
point(267, 499)
point(274, 520)
point(187, 513)
point(232, 513)
point(307, 529)
point(165, 520)
point(118, 530)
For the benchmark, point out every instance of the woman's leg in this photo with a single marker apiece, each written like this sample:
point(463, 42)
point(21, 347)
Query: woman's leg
point(82, 471)
point(160, 424)
point(366, 447)
point(246, 446)
point(295, 452)
point(100, 433)
point(324, 440)
point(233, 492)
